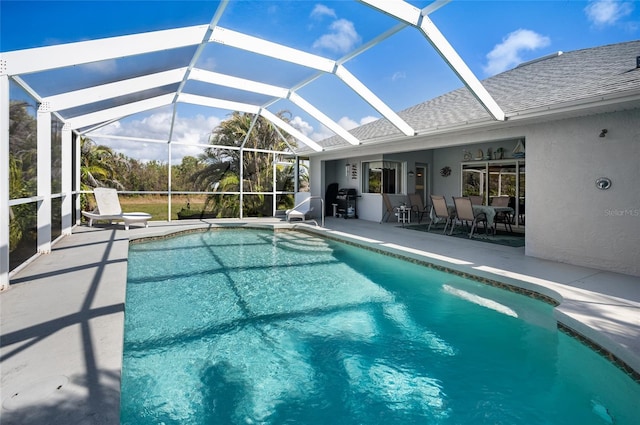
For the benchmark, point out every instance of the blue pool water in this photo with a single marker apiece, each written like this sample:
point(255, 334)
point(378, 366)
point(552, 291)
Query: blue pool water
point(257, 327)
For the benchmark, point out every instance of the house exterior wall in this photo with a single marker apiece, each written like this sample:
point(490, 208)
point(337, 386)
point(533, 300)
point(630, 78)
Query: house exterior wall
point(568, 218)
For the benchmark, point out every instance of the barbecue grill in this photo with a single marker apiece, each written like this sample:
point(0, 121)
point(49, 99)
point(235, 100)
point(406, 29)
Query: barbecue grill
point(347, 203)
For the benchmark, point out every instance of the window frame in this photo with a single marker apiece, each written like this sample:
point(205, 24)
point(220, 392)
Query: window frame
point(389, 176)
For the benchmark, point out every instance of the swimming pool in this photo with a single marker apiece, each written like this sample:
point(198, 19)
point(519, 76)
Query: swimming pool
point(256, 326)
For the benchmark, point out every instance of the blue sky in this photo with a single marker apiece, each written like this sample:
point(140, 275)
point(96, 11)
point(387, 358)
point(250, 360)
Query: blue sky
point(490, 36)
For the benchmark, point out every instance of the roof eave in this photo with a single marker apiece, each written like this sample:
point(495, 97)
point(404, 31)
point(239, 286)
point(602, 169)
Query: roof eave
point(601, 103)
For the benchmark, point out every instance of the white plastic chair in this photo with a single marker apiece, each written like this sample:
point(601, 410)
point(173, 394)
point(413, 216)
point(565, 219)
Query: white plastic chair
point(108, 208)
point(302, 207)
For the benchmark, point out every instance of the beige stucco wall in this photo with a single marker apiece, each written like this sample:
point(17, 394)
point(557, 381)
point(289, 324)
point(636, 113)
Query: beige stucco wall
point(568, 218)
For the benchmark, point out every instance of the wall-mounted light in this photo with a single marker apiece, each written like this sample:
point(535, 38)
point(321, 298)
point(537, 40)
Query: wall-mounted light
point(411, 174)
point(347, 169)
point(604, 132)
point(603, 183)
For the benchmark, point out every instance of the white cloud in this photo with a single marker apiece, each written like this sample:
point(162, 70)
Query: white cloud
point(398, 75)
point(192, 130)
point(209, 63)
point(607, 12)
point(348, 123)
point(368, 119)
point(323, 132)
point(308, 130)
point(507, 54)
point(301, 125)
point(342, 37)
point(320, 11)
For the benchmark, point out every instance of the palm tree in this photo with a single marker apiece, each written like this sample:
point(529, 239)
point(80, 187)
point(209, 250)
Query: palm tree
point(97, 166)
point(222, 166)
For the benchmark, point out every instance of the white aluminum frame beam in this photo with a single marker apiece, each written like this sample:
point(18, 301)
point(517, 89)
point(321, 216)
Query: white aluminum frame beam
point(323, 119)
point(267, 48)
point(108, 91)
point(192, 63)
point(299, 57)
point(238, 83)
point(43, 179)
point(71, 54)
point(412, 15)
point(4, 182)
point(51, 57)
point(218, 103)
point(448, 53)
point(250, 109)
point(289, 129)
point(66, 179)
point(366, 94)
point(120, 111)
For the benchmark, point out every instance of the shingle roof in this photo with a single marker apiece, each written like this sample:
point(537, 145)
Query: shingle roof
point(576, 76)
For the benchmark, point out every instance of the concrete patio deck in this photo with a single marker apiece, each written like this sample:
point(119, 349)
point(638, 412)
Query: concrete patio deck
point(62, 318)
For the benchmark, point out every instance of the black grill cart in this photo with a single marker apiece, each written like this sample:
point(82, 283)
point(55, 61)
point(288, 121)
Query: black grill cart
point(347, 203)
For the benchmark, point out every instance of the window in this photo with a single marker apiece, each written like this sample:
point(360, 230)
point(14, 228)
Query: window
point(382, 177)
point(496, 178)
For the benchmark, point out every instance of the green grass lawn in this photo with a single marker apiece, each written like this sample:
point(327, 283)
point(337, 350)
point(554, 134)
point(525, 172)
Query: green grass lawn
point(156, 205)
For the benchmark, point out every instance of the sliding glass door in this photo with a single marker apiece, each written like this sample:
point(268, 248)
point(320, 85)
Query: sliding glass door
point(490, 179)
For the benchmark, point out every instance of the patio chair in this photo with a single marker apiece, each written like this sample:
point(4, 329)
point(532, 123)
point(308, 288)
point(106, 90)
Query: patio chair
point(465, 215)
point(440, 212)
point(476, 199)
point(390, 210)
point(302, 208)
point(503, 217)
point(108, 208)
point(417, 207)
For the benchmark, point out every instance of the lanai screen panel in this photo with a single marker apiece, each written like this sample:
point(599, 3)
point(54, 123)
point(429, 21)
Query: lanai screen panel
point(66, 79)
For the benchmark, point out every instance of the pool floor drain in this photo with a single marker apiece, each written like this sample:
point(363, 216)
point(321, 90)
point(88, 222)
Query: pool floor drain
point(34, 392)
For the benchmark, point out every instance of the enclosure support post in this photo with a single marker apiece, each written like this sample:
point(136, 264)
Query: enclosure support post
point(4, 182)
point(44, 179)
point(66, 180)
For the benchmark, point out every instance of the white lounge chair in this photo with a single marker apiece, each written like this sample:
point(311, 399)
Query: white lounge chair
point(302, 207)
point(109, 209)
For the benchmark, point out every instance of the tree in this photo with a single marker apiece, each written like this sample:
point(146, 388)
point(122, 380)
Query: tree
point(221, 172)
point(181, 174)
point(98, 166)
point(22, 171)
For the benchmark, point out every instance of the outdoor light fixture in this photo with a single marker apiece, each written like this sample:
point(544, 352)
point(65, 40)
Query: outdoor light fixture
point(604, 132)
point(603, 183)
point(411, 174)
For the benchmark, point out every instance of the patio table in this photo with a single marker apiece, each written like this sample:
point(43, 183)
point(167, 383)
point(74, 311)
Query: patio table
point(490, 212)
